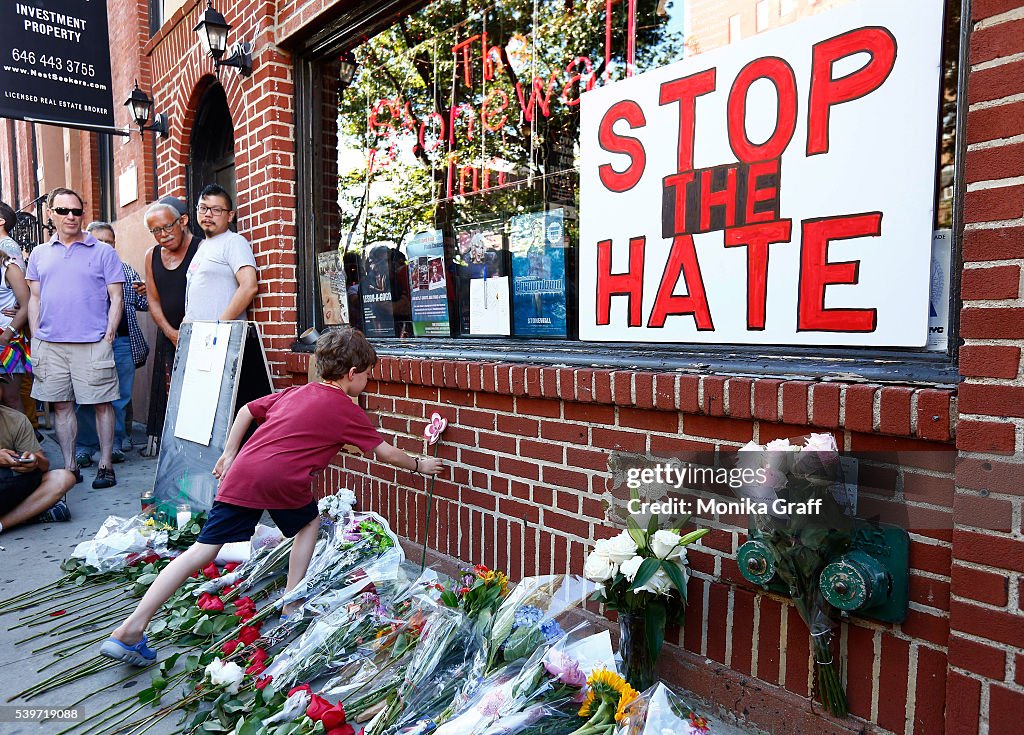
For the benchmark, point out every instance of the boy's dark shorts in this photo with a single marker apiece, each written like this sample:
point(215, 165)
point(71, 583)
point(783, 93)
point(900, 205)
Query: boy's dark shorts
point(228, 523)
point(15, 487)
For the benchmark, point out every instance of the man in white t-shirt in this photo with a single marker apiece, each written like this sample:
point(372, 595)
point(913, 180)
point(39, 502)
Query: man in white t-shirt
point(221, 279)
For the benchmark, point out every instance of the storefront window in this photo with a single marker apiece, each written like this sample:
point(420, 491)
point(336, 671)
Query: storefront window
point(458, 155)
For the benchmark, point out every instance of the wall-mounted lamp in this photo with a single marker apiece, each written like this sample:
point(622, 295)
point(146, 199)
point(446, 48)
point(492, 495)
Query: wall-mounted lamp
point(141, 108)
point(347, 68)
point(213, 34)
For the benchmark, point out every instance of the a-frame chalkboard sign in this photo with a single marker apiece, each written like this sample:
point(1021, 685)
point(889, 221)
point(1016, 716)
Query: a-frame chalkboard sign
point(184, 470)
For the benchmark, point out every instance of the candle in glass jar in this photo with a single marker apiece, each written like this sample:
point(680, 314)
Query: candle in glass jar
point(184, 515)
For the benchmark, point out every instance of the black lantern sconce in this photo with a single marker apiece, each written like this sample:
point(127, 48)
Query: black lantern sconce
point(347, 68)
point(141, 108)
point(213, 34)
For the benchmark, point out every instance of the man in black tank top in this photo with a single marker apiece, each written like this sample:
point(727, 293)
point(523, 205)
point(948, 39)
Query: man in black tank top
point(166, 265)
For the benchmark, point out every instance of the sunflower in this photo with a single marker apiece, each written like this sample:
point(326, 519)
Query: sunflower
point(607, 687)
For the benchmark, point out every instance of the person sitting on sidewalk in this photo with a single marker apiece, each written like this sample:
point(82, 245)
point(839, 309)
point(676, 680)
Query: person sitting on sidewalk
point(301, 430)
point(29, 489)
point(130, 353)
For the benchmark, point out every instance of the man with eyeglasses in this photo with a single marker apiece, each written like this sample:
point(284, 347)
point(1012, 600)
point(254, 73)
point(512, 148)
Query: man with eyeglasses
point(167, 263)
point(222, 276)
point(75, 304)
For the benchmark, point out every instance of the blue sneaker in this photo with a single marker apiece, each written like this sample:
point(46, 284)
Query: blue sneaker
point(56, 514)
point(138, 655)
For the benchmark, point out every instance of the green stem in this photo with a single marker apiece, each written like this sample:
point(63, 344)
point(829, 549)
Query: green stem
point(430, 506)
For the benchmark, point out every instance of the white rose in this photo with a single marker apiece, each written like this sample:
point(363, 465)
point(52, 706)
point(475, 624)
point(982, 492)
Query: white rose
point(598, 567)
point(750, 446)
point(820, 443)
point(630, 567)
point(781, 445)
point(664, 544)
point(659, 584)
point(621, 548)
point(228, 675)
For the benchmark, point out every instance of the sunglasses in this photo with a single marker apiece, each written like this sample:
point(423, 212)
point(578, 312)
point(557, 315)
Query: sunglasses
point(65, 211)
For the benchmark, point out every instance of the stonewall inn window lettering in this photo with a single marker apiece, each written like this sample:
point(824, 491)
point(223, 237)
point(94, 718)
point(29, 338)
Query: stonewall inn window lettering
point(700, 192)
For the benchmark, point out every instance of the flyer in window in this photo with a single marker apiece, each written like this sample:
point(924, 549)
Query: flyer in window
point(375, 288)
point(536, 242)
point(483, 256)
point(332, 288)
point(428, 288)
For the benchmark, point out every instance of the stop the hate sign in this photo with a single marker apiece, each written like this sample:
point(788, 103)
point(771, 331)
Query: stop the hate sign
point(776, 191)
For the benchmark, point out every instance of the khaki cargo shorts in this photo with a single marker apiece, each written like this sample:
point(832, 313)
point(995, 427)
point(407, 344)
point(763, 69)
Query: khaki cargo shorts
point(73, 371)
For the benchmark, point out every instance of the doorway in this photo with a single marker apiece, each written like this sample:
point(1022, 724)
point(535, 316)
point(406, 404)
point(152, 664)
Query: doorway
point(212, 146)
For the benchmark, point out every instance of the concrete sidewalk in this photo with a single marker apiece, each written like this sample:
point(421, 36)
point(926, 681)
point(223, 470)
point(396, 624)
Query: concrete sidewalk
point(31, 558)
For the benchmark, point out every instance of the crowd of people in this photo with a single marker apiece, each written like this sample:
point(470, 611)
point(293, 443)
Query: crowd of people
point(72, 339)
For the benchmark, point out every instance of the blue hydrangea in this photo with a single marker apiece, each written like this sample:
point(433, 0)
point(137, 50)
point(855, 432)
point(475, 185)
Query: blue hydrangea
point(551, 630)
point(527, 615)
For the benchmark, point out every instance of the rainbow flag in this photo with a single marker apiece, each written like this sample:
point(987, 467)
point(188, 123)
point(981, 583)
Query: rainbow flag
point(16, 353)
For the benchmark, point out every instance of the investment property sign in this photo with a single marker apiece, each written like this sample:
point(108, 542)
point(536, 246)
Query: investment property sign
point(776, 191)
point(55, 62)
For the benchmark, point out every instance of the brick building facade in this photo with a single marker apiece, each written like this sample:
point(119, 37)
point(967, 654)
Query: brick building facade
point(530, 443)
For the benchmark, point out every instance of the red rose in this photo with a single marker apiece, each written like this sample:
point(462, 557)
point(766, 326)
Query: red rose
point(204, 600)
point(231, 566)
point(343, 730)
point(302, 688)
point(231, 646)
point(210, 571)
point(258, 656)
point(334, 717)
point(245, 614)
point(256, 669)
point(248, 634)
point(150, 558)
point(229, 588)
point(214, 605)
point(245, 602)
point(317, 707)
point(263, 681)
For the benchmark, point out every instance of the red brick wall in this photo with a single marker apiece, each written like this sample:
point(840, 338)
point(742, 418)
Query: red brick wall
point(985, 683)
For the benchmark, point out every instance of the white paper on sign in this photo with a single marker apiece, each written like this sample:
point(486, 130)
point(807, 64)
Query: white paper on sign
point(488, 306)
point(200, 388)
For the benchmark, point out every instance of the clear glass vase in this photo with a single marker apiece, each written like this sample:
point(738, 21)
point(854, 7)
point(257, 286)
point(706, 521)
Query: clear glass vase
point(637, 662)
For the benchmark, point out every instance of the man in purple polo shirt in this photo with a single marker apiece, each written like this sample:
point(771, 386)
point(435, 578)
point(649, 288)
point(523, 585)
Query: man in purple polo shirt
point(74, 309)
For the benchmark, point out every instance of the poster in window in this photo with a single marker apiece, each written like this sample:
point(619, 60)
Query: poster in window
point(375, 285)
point(938, 301)
point(536, 242)
point(428, 289)
point(483, 253)
point(332, 288)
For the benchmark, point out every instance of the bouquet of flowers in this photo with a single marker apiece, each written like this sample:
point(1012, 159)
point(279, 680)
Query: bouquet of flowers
point(643, 576)
point(659, 710)
point(806, 523)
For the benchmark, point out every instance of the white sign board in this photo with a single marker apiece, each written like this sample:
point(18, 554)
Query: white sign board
point(776, 191)
point(204, 371)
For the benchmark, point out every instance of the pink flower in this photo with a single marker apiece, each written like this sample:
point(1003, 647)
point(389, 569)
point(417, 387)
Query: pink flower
point(565, 669)
point(435, 428)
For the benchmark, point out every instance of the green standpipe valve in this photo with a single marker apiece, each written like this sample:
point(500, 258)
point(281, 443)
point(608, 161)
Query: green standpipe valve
point(757, 563)
point(855, 581)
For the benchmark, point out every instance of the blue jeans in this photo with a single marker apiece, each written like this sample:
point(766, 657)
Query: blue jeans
point(88, 442)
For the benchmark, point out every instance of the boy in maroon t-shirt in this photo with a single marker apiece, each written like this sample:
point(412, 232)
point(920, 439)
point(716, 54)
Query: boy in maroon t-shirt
point(301, 430)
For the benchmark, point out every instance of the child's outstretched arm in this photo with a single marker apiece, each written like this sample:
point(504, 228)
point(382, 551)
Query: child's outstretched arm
point(397, 458)
point(233, 443)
